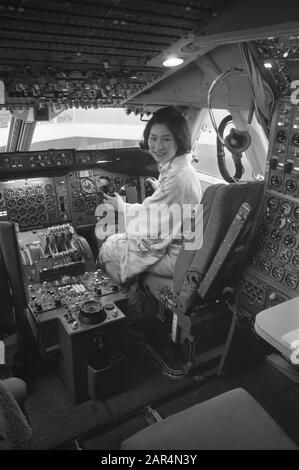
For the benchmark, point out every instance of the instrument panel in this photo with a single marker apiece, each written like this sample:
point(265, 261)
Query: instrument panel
point(45, 201)
point(272, 275)
point(52, 187)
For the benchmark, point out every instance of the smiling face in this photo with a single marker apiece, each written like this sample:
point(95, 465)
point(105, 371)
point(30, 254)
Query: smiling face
point(161, 143)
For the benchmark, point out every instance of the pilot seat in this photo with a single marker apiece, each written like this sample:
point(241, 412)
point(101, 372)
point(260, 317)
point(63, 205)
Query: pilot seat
point(191, 305)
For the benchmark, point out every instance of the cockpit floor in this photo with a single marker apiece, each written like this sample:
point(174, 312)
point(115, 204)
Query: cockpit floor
point(55, 420)
point(277, 394)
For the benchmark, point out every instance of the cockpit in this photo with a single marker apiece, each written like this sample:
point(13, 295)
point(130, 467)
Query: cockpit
point(230, 301)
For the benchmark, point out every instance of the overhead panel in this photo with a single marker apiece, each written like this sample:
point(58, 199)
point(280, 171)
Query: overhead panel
point(92, 53)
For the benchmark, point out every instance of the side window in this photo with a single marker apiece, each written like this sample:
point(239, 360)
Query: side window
point(205, 151)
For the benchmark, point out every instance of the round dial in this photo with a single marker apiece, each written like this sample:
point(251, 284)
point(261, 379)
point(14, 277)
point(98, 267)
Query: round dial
point(49, 188)
point(9, 194)
point(281, 137)
point(265, 266)
point(21, 202)
point(22, 212)
point(291, 281)
point(276, 235)
point(78, 203)
point(75, 184)
point(88, 186)
point(272, 203)
point(271, 248)
point(277, 273)
point(38, 190)
point(40, 199)
point(76, 193)
point(31, 210)
point(11, 203)
point(29, 192)
point(91, 207)
point(285, 255)
point(285, 208)
point(293, 226)
point(30, 201)
point(290, 186)
point(276, 181)
point(289, 241)
point(20, 192)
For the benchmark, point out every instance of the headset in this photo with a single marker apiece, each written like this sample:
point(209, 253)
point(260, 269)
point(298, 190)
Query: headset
point(236, 141)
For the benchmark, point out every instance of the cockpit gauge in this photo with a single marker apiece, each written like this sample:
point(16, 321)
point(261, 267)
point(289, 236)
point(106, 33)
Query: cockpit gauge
point(11, 203)
point(289, 241)
point(276, 235)
point(265, 266)
point(38, 190)
point(91, 207)
point(9, 194)
point(281, 137)
point(276, 181)
point(29, 192)
point(76, 193)
point(88, 186)
point(293, 226)
point(285, 208)
point(291, 281)
point(295, 261)
point(21, 202)
point(20, 192)
point(271, 248)
point(290, 186)
point(277, 273)
point(40, 199)
point(31, 210)
point(74, 183)
point(272, 203)
point(285, 255)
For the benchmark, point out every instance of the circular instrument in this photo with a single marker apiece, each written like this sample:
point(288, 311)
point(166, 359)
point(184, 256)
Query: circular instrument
point(88, 186)
point(92, 312)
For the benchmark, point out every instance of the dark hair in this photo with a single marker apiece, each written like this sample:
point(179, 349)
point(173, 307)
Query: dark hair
point(176, 123)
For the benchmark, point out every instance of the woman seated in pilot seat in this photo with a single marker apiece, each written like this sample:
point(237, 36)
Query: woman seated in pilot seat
point(150, 236)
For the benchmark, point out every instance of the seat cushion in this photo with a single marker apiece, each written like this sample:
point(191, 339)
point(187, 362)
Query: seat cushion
point(233, 420)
